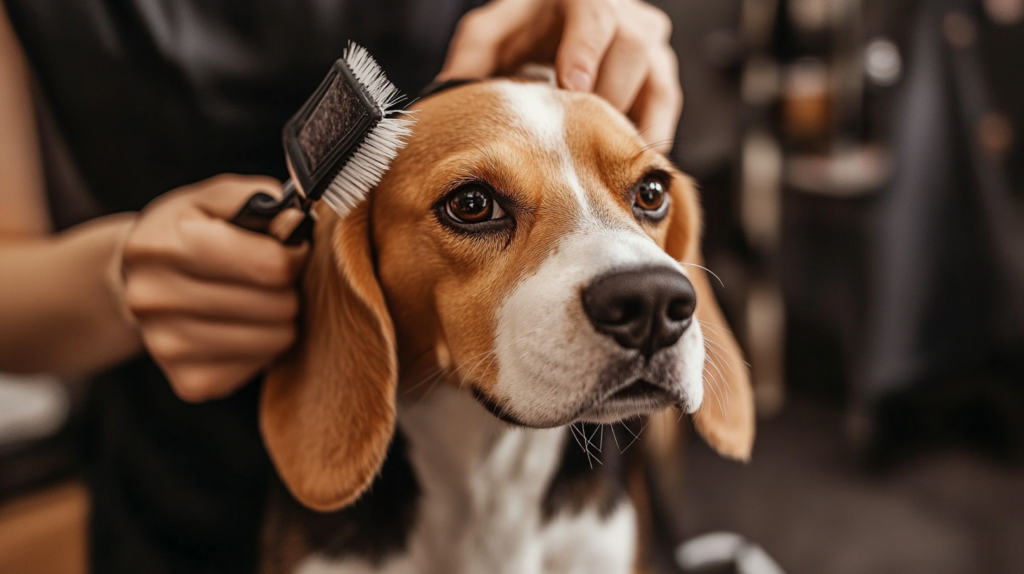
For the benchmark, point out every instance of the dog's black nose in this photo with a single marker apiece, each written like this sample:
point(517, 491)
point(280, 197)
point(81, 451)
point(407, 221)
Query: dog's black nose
point(646, 309)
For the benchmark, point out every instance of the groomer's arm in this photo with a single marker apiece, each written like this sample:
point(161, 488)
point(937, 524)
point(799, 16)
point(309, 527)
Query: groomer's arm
point(212, 304)
point(618, 49)
point(56, 312)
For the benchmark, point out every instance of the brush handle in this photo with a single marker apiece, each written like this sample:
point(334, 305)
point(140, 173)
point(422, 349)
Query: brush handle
point(261, 209)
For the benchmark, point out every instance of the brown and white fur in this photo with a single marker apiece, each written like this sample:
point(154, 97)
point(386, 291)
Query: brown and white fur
point(423, 421)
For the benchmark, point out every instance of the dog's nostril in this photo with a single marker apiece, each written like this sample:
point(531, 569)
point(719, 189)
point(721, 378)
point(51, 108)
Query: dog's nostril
point(623, 312)
point(646, 309)
point(681, 309)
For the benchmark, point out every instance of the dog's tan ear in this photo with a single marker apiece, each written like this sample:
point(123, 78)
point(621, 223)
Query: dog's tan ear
point(726, 416)
point(327, 413)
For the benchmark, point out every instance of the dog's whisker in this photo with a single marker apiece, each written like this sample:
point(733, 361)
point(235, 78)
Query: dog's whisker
point(484, 360)
point(586, 442)
point(712, 328)
point(426, 378)
point(710, 272)
point(711, 386)
point(709, 383)
point(586, 445)
point(722, 349)
point(615, 438)
point(645, 145)
point(425, 352)
point(471, 372)
point(711, 348)
point(636, 437)
point(418, 384)
point(655, 144)
point(589, 442)
point(590, 455)
point(718, 355)
point(630, 431)
point(714, 364)
point(642, 131)
point(430, 390)
point(572, 429)
point(722, 382)
point(477, 357)
point(434, 381)
point(643, 422)
point(708, 326)
point(590, 439)
point(431, 376)
point(721, 355)
point(715, 381)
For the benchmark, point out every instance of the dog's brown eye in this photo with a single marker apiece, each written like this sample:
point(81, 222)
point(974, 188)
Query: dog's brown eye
point(470, 206)
point(473, 204)
point(650, 194)
point(650, 197)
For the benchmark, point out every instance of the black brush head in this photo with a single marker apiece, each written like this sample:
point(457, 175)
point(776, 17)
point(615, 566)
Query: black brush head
point(328, 129)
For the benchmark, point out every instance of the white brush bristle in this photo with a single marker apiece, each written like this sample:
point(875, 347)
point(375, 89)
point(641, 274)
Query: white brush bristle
point(372, 159)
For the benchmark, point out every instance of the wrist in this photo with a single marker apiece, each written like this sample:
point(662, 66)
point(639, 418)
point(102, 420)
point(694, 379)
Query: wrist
point(114, 278)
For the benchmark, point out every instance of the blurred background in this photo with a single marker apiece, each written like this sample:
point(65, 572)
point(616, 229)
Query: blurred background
point(862, 167)
point(863, 172)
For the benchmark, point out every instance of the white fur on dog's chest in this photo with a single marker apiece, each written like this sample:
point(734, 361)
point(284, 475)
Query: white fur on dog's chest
point(480, 511)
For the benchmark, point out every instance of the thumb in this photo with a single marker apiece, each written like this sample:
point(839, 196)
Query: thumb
point(223, 195)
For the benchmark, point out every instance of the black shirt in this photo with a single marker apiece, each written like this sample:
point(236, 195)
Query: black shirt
point(150, 95)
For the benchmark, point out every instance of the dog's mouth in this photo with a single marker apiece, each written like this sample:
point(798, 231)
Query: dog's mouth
point(639, 389)
point(636, 398)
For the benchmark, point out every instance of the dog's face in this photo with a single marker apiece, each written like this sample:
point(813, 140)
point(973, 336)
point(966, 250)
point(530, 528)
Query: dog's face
point(527, 245)
point(520, 244)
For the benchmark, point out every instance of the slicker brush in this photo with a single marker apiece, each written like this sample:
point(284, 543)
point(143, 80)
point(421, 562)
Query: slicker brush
point(338, 146)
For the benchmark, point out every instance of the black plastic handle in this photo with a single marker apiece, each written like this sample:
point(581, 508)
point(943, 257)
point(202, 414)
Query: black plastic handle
point(261, 209)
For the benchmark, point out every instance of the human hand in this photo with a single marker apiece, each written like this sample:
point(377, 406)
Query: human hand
point(215, 303)
point(616, 48)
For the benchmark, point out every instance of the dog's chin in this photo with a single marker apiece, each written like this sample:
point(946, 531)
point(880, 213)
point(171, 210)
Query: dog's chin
point(625, 401)
point(634, 399)
point(638, 399)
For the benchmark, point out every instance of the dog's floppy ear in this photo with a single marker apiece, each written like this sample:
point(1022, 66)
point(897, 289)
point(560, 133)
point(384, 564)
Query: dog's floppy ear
point(327, 412)
point(726, 416)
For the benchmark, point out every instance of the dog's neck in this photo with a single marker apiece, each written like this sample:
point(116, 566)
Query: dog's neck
point(454, 443)
point(483, 482)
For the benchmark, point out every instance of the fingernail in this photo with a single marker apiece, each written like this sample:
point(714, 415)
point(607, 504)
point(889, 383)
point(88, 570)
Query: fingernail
point(578, 79)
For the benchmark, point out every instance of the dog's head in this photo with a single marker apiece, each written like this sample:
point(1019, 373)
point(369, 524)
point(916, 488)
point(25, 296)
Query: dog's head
point(529, 247)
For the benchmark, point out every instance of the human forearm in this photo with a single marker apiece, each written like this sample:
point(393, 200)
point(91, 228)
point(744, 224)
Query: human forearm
point(58, 312)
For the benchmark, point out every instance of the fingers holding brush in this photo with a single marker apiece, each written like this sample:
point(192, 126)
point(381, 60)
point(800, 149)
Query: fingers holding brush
point(215, 303)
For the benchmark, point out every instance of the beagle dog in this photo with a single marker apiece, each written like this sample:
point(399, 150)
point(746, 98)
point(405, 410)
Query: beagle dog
point(484, 338)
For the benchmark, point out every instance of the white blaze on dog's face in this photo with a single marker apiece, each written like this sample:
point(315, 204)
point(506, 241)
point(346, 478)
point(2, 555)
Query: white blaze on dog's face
point(527, 258)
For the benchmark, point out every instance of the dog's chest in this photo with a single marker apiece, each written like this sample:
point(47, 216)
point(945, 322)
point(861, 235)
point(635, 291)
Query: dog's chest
point(484, 503)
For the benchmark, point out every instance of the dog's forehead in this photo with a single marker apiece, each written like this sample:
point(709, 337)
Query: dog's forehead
point(533, 117)
point(561, 121)
point(534, 108)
